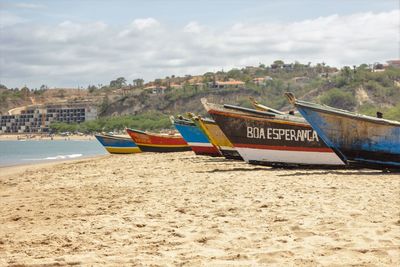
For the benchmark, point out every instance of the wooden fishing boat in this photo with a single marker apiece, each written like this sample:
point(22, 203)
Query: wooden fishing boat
point(152, 142)
point(195, 137)
point(272, 139)
point(217, 137)
point(118, 144)
point(357, 139)
point(262, 107)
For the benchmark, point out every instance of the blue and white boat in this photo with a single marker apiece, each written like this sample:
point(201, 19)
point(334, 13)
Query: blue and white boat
point(357, 139)
point(118, 144)
point(195, 137)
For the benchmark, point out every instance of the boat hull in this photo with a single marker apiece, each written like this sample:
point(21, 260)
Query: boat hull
point(117, 144)
point(270, 141)
point(196, 139)
point(218, 138)
point(359, 140)
point(148, 142)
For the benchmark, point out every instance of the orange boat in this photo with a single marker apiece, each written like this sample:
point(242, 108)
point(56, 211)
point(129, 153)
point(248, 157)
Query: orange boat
point(152, 142)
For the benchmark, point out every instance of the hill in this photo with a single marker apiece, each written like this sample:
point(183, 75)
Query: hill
point(364, 89)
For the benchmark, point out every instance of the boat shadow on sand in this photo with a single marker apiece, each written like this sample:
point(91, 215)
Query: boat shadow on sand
point(288, 170)
point(235, 169)
point(302, 172)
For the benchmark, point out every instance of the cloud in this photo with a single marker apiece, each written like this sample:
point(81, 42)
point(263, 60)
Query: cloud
point(28, 6)
point(75, 53)
point(8, 19)
point(142, 24)
point(193, 27)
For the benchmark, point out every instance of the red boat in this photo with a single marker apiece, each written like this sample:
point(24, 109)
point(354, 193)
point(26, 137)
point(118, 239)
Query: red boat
point(152, 142)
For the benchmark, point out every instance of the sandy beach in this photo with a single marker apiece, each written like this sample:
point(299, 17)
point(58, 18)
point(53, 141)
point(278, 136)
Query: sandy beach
point(184, 210)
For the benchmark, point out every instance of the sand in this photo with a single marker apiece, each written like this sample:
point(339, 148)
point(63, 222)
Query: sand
point(182, 210)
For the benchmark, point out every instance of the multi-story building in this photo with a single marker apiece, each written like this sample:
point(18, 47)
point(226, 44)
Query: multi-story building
point(38, 118)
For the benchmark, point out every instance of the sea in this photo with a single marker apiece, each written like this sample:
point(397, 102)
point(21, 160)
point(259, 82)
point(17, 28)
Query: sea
point(35, 151)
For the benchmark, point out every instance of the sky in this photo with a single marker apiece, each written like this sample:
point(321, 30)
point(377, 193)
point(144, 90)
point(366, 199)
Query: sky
point(79, 43)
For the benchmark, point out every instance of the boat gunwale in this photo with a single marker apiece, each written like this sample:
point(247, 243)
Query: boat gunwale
point(345, 113)
point(208, 120)
point(114, 137)
point(283, 119)
point(183, 122)
point(262, 107)
point(252, 117)
point(155, 134)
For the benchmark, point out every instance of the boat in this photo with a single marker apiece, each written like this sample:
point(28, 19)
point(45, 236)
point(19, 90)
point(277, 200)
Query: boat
point(262, 107)
point(117, 144)
point(153, 142)
point(195, 137)
point(272, 139)
point(357, 139)
point(217, 137)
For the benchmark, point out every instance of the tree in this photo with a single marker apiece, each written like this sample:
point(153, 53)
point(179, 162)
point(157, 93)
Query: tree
point(91, 88)
point(138, 82)
point(157, 82)
point(25, 91)
point(279, 63)
point(121, 81)
point(346, 73)
point(2, 86)
point(234, 74)
point(118, 83)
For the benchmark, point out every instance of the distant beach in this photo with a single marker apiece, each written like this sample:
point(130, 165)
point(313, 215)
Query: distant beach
point(36, 136)
point(183, 210)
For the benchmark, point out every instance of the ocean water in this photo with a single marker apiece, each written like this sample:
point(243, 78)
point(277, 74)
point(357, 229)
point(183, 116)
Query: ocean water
point(28, 152)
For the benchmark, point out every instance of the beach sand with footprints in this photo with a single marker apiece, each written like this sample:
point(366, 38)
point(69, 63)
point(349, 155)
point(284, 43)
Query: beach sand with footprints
point(183, 210)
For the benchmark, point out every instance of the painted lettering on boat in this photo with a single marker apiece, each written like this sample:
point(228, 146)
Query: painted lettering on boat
point(298, 135)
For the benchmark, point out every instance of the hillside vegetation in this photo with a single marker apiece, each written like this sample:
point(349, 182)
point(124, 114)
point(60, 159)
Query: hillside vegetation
point(360, 89)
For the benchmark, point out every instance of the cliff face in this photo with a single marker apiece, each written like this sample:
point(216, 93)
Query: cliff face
point(161, 102)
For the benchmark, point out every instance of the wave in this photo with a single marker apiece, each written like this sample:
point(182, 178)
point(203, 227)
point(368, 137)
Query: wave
point(65, 156)
point(71, 156)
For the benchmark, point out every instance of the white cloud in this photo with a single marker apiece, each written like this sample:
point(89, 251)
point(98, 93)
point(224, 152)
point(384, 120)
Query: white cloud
point(193, 27)
point(71, 53)
point(8, 19)
point(28, 6)
point(142, 24)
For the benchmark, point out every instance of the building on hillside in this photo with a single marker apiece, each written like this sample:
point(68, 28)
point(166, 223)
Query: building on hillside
point(226, 84)
point(394, 63)
point(262, 80)
point(302, 79)
point(156, 89)
point(198, 85)
point(38, 118)
point(176, 86)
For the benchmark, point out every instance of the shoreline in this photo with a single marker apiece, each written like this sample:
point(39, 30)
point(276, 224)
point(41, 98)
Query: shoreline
point(6, 170)
point(42, 137)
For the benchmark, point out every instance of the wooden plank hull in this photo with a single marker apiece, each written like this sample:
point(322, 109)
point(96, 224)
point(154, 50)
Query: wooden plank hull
point(218, 138)
point(117, 144)
point(272, 140)
point(359, 140)
point(195, 138)
point(149, 142)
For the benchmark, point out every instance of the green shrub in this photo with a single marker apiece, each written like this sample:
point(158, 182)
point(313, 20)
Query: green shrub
point(339, 99)
point(145, 121)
